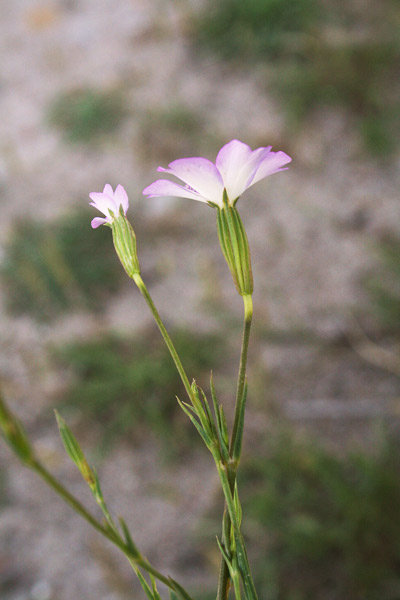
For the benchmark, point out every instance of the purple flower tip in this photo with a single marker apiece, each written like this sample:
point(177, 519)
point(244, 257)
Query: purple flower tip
point(107, 201)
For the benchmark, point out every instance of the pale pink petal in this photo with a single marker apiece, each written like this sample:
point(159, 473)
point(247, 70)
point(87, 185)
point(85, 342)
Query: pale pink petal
point(272, 163)
point(238, 164)
point(95, 196)
point(102, 202)
point(164, 187)
point(231, 157)
point(121, 198)
point(108, 190)
point(97, 221)
point(200, 174)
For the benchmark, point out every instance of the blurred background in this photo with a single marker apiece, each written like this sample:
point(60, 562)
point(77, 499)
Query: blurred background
point(94, 91)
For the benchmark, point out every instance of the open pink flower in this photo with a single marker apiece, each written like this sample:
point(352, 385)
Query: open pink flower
point(237, 168)
point(107, 201)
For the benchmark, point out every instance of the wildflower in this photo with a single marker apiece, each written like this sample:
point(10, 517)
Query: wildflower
point(109, 203)
point(114, 206)
point(236, 168)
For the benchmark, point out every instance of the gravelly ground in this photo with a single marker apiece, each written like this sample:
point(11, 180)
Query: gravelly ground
point(310, 232)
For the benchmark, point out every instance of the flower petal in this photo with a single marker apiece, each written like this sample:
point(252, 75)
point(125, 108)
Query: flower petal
point(164, 187)
point(108, 190)
point(102, 202)
point(97, 221)
point(200, 174)
point(238, 164)
point(272, 163)
point(121, 198)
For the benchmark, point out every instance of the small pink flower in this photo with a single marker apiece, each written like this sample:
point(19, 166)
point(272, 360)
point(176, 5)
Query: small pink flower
point(107, 201)
point(237, 168)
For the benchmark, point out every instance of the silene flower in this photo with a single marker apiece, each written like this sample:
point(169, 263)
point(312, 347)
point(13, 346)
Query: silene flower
point(236, 168)
point(109, 203)
point(114, 206)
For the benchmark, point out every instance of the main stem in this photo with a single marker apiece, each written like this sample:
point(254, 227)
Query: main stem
point(224, 578)
point(248, 316)
point(146, 294)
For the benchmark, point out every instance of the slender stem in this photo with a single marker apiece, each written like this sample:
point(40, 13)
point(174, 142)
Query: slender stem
point(240, 548)
point(70, 499)
point(248, 316)
point(224, 578)
point(110, 535)
point(145, 293)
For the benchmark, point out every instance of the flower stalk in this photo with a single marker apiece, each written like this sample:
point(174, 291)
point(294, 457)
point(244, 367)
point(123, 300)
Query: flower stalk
point(235, 447)
point(167, 339)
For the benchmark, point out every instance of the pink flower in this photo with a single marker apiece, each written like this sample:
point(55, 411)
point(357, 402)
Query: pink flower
point(107, 201)
point(237, 168)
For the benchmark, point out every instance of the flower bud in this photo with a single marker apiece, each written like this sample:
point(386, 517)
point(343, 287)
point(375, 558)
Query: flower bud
point(14, 434)
point(74, 451)
point(235, 247)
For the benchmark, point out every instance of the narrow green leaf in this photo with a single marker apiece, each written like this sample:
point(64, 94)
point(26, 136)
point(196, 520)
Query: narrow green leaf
point(198, 426)
point(223, 440)
point(224, 426)
point(243, 563)
point(224, 553)
point(156, 595)
point(238, 506)
point(223, 475)
point(147, 589)
point(200, 409)
point(233, 570)
point(179, 590)
point(71, 445)
point(214, 398)
point(128, 538)
point(237, 448)
point(74, 451)
point(211, 429)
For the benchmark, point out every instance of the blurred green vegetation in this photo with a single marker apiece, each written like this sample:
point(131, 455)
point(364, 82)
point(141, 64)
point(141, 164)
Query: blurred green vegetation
point(85, 115)
point(317, 53)
point(49, 268)
point(254, 30)
point(169, 132)
point(129, 386)
point(4, 496)
point(357, 76)
point(322, 526)
point(383, 285)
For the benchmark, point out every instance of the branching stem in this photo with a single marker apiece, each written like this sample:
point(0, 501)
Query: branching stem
point(224, 578)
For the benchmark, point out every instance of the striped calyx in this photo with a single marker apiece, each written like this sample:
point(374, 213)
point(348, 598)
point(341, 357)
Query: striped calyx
point(124, 239)
point(235, 247)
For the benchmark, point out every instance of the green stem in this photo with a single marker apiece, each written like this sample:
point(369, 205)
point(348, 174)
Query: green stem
point(69, 499)
point(146, 294)
point(224, 578)
point(237, 430)
point(240, 547)
point(110, 535)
